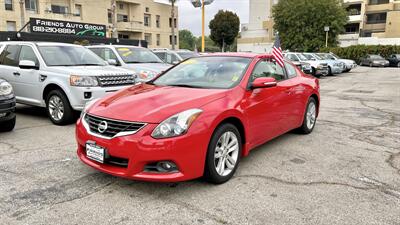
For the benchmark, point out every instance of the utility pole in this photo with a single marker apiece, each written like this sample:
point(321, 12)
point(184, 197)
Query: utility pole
point(22, 9)
point(203, 12)
point(114, 32)
point(173, 23)
point(326, 28)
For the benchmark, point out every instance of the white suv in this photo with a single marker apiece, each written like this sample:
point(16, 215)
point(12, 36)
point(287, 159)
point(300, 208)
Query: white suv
point(60, 77)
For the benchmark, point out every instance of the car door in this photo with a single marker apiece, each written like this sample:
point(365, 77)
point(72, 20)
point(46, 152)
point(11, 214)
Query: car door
point(266, 108)
point(28, 81)
point(9, 64)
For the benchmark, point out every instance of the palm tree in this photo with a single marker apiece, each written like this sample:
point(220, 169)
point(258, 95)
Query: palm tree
point(173, 22)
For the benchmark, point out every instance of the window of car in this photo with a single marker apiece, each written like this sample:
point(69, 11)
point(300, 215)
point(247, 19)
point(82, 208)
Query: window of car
point(268, 68)
point(60, 55)
point(293, 57)
point(213, 72)
point(105, 53)
point(302, 57)
point(27, 53)
point(290, 70)
point(161, 55)
point(9, 56)
point(137, 55)
point(309, 57)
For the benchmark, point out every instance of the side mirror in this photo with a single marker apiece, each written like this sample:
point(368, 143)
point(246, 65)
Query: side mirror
point(28, 64)
point(112, 62)
point(263, 82)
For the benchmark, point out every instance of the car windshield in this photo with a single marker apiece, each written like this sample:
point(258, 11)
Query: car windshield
point(302, 57)
point(186, 55)
point(309, 57)
point(325, 56)
point(69, 56)
point(137, 55)
point(212, 72)
point(375, 57)
point(334, 55)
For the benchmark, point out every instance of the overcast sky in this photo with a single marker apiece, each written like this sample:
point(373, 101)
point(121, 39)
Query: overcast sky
point(190, 17)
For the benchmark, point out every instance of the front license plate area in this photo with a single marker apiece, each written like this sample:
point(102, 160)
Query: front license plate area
point(95, 152)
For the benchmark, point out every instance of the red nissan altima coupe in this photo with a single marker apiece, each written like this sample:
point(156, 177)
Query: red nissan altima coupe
point(197, 119)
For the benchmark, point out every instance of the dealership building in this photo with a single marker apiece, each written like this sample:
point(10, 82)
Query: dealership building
point(371, 22)
point(133, 19)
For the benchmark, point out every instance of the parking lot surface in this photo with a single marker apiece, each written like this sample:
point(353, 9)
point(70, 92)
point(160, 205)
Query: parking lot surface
point(346, 172)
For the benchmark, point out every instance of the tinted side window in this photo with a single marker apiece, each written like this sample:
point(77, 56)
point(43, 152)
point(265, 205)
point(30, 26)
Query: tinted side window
point(161, 55)
point(293, 57)
point(268, 69)
point(9, 56)
point(27, 53)
point(291, 70)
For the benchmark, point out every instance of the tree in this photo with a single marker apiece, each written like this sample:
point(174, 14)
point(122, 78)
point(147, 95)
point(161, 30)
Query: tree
point(186, 40)
point(224, 28)
point(301, 23)
point(173, 22)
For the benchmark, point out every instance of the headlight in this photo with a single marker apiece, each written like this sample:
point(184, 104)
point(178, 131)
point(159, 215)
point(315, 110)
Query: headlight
point(5, 88)
point(177, 124)
point(147, 75)
point(83, 81)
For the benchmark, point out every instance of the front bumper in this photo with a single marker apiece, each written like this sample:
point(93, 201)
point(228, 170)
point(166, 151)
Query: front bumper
point(336, 69)
point(78, 96)
point(7, 107)
point(351, 66)
point(321, 71)
point(380, 64)
point(140, 149)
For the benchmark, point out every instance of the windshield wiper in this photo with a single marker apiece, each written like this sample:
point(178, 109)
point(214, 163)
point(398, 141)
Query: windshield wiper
point(184, 85)
point(89, 64)
point(134, 62)
point(154, 62)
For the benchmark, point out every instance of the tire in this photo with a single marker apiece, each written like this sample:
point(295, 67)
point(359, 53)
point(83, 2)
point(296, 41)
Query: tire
point(398, 64)
point(210, 169)
point(305, 127)
point(370, 64)
point(330, 71)
point(7, 125)
point(57, 101)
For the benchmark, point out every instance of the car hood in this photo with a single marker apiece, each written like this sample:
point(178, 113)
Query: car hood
point(347, 61)
point(152, 104)
point(90, 70)
point(154, 67)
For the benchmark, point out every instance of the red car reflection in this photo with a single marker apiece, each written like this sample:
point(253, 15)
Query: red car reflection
point(197, 119)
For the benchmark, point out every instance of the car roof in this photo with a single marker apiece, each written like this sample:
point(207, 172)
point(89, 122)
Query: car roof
point(40, 43)
point(116, 46)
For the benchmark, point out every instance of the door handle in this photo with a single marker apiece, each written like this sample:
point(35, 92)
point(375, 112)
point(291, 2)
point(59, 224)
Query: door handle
point(17, 74)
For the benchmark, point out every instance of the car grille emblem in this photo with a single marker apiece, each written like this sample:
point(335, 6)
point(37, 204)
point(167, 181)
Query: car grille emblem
point(102, 126)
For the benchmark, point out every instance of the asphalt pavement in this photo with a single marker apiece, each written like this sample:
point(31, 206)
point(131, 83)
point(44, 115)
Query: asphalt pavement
point(346, 172)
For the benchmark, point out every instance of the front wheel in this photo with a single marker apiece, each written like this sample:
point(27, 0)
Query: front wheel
point(310, 117)
point(398, 64)
point(223, 154)
point(7, 125)
point(58, 108)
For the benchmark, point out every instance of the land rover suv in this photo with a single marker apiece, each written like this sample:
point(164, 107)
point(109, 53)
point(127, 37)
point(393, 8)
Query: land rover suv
point(60, 77)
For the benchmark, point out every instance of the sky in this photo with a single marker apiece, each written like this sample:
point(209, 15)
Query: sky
point(190, 17)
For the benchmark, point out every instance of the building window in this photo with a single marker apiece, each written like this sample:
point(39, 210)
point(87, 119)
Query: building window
point(109, 15)
point(378, 2)
point(376, 18)
point(147, 20)
point(352, 28)
point(158, 39)
point(122, 18)
point(11, 26)
point(123, 36)
point(354, 10)
point(78, 10)
point(58, 9)
point(9, 5)
point(147, 37)
point(147, 9)
point(121, 6)
point(158, 21)
point(170, 22)
point(31, 5)
point(170, 39)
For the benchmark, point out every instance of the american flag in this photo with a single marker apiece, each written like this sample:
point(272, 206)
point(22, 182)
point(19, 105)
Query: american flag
point(277, 51)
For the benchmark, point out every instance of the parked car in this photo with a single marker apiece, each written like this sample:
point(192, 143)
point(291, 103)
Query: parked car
point(197, 119)
point(373, 60)
point(318, 68)
point(167, 56)
point(350, 64)
point(186, 54)
point(334, 66)
point(394, 60)
point(303, 66)
point(140, 60)
point(60, 77)
point(7, 106)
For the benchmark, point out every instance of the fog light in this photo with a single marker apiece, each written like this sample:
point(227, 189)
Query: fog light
point(161, 167)
point(87, 95)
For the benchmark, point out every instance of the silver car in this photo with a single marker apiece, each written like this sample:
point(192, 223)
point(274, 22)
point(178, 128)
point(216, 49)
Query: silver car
point(60, 77)
point(334, 66)
point(137, 59)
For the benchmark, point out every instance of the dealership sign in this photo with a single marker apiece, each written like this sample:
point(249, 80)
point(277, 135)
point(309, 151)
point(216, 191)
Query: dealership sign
point(66, 27)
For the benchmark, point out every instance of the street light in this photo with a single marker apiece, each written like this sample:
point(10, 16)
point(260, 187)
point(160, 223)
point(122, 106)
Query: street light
point(326, 28)
point(202, 4)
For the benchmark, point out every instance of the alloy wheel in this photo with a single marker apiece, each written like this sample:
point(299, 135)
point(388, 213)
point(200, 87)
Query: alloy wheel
point(226, 153)
point(311, 115)
point(56, 108)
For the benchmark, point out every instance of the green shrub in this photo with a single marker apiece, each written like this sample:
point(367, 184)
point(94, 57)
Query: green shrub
point(355, 52)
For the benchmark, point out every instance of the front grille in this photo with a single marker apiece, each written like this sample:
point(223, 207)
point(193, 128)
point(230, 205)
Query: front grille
point(113, 127)
point(116, 80)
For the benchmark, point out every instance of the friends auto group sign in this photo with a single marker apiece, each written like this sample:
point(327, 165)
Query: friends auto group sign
point(66, 27)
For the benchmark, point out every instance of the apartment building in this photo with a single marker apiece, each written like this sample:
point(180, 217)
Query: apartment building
point(372, 22)
point(136, 19)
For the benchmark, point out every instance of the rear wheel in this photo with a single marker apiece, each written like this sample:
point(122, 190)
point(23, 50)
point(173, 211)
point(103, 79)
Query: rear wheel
point(223, 154)
point(398, 64)
point(7, 125)
point(310, 117)
point(330, 71)
point(370, 64)
point(58, 108)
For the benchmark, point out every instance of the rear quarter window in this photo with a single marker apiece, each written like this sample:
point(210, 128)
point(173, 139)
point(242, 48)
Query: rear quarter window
point(291, 70)
point(9, 56)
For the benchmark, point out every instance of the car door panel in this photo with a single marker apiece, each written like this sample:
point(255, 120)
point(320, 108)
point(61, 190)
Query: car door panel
point(9, 63)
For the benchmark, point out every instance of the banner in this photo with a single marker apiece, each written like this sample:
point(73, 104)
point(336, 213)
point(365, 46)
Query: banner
point(66, 27)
